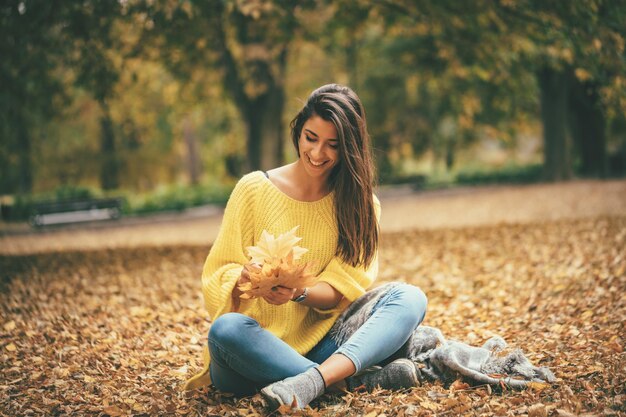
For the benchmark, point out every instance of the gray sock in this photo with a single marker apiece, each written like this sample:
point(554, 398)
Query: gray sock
point(297, 391)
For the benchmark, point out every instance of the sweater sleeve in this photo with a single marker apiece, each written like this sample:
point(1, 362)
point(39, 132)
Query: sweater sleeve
point(351, 281)
point(226, 258)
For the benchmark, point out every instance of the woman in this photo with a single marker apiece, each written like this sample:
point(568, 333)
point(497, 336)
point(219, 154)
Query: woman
point(281, 343)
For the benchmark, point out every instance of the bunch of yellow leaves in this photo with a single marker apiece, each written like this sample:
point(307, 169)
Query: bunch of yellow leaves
point(275, 258)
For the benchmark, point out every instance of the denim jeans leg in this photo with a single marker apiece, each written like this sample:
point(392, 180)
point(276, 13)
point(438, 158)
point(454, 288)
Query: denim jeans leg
point(322, 350)
point(392, 321)
point(239, 344)
point(227, 380)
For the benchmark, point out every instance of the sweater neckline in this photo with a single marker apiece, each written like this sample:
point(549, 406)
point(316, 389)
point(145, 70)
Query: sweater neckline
point(285, 196)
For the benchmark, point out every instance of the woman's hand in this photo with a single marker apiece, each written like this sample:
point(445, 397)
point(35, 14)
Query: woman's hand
point(245, 275)
point(243, 278)
point(280, 295)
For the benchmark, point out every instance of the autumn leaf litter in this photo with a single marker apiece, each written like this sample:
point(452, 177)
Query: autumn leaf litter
point(116, 332)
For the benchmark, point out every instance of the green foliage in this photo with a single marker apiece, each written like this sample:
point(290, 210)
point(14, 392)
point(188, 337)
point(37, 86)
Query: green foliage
point(45, 48)
point(135, 94)
point(18, 210)
point(511, 174)
point(21, 206)
point(74, 193)
point(30, 93)
point(417, 181)
point(508, 174)
point(166, 198)
point(178, 198)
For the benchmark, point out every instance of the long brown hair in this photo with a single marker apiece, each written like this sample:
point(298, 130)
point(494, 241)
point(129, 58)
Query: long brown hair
point(353, 178)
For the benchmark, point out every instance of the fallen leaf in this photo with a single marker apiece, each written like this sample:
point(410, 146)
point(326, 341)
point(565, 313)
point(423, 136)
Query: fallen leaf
point(563, 413)
point(138, 407)
point(537, 410)
point(537, 386)
point(181, 372)
point(499, 270)
point(113, 411)
point(615, 346)
point(459, 385)
point(430, 405)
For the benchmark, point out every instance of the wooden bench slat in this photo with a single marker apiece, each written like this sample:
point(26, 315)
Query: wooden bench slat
point(74, 211)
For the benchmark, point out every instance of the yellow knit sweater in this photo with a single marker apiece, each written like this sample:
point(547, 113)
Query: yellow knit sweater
point(256, 204)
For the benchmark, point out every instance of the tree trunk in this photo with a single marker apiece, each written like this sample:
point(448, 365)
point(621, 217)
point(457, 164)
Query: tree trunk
point(109, 171)
point(25, 167)
point(258, 92)
point(194, 164)
point(449, 154)
point(381, 150)
point(254, 126)
point(264, 131)
point(587, 125)
point(352, 62)
point(556, 148)
point(273, 133)
point(263, 117)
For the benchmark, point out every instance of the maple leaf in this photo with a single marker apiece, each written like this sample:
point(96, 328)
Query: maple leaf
point(276, 258)
point(271, 249)
point(281, 272)
point(291, 275)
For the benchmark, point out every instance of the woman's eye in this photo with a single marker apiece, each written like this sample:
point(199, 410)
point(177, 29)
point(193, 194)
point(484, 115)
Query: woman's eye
point(310, 139)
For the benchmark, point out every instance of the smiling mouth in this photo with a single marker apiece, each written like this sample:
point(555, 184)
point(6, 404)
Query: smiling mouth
point(315, 164)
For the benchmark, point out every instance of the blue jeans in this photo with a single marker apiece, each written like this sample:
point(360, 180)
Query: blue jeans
point(245, 357)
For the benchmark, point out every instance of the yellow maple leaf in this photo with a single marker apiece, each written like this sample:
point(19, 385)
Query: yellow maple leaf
point(537, 386)
point(273, 274)
point(272, 249)
point(273, 264)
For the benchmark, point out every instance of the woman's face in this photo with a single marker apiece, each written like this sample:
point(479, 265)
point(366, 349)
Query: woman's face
point(318, 147)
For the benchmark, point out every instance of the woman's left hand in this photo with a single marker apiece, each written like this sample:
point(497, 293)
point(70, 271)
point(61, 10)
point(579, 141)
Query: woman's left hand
point(280, 295)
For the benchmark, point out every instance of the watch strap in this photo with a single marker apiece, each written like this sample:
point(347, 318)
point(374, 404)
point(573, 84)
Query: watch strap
point(302, 296)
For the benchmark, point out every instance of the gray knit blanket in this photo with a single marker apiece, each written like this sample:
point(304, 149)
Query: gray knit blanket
point(444, 360)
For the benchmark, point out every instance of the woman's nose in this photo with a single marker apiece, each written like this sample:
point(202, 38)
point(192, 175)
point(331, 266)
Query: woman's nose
point(317, 151)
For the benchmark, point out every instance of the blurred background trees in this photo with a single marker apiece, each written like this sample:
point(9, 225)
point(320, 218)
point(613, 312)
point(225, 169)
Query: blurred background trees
point(136, 95)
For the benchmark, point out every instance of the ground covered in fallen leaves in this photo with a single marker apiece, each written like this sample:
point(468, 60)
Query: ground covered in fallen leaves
point(116, 332)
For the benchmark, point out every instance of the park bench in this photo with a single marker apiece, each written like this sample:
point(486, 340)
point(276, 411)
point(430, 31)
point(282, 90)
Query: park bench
point(74, 211)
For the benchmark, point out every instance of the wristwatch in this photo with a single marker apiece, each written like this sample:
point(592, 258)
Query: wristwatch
point(302, 296)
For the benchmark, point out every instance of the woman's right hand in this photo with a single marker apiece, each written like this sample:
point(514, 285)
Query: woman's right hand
point(245, 275)
point(243, 279)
